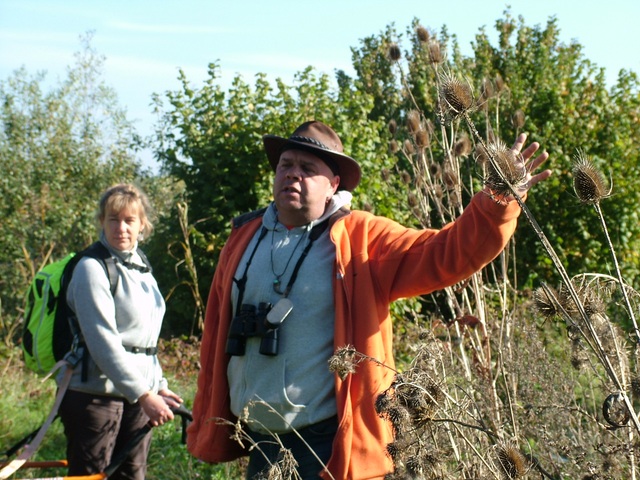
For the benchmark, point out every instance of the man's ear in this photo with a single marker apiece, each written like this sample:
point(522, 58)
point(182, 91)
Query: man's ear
point(335, 183)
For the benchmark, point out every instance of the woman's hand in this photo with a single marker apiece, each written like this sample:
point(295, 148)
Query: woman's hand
point(156, 408)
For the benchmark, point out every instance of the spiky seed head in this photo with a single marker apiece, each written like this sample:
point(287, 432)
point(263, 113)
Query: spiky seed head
point(406, 177)
point(412, 200)
point(499, 83)
point(462, 147)
point(517, 119)
point(422, 138)
point(588, 182)
point(450, 178)
point(454, 199)
point(414, 466)
point(392, 126)
point(409, 149)
point(437, 191)
point(413, 121)
point(393, 146)
point(456, 95)
point(393, 450)
point(385, 173)
point(393, 52)
point(513, 464)
point(383, 403)
point(423, 34)
point(487, 88)
point(435, 52)
point(343, 361)
point(545, 302)
point(506, 168)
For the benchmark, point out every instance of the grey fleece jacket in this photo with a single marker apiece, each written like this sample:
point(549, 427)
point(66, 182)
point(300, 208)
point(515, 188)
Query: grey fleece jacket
point(295, 388)
point(131, 317)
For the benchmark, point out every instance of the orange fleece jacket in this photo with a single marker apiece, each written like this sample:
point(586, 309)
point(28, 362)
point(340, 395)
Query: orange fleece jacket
point(377, 261)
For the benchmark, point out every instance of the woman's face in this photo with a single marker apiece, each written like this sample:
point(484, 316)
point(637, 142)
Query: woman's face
point(122, 228)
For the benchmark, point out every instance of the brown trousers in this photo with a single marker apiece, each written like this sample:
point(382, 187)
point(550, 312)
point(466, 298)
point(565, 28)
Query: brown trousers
point(97, 428)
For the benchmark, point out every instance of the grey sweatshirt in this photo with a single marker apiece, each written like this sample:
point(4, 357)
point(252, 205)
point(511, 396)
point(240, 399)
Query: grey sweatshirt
point(295, 388)
point(132, 317)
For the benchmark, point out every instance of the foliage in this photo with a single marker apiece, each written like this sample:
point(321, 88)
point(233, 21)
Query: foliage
point(58, 150)
point(212, 141)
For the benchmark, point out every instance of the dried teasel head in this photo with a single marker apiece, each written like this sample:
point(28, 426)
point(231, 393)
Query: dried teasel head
point(408, 147)
point(393, 52)
point(546, 302)
point(392, 126)
point(513, 464)
point(456, 96)
point(412, 200)
point(518, 118)
point(505, 168)
point(463, 147)
point(423, 34)
point(588, 182)
point(422, 138)
point(435, 52)
point(413, 121)
point(344, 361)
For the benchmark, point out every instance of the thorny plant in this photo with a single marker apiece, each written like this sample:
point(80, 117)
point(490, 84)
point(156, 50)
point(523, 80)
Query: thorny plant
point(483, 398)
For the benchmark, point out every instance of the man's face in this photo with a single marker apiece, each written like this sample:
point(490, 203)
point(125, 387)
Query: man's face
point(302, 187)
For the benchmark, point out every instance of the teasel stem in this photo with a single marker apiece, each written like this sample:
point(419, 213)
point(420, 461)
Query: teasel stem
point(625, 295)
point(561, 270)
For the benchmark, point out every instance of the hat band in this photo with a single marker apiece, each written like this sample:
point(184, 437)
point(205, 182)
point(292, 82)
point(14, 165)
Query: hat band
point(317, 143)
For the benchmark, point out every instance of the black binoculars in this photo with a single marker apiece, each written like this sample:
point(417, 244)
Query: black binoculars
point(252, 322)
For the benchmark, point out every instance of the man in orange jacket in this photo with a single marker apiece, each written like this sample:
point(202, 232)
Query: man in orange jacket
point(305, 276)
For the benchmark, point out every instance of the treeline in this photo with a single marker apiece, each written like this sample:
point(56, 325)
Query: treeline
point(59, 148)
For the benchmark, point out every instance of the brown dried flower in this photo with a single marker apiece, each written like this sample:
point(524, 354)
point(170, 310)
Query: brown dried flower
point(463, 147)
point(545, 302)
point(413, 121)
point(409, 149)
point(422, 138)
point(423, 34)
point(435, 52)
point(588, 182)
point(406, 177)
point(507, 168)
point(456, 95)
point(513, 464)
point(344, 361)
point(393, 146)
point(518, 118)
point(392, 126)
point(393, 52)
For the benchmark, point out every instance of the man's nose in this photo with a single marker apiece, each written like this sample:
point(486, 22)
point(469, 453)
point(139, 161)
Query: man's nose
point(294, 172)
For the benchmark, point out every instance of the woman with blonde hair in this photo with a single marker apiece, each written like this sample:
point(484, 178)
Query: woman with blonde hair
point(119, 386)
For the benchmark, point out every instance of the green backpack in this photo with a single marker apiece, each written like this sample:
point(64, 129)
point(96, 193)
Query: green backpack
point(50, 328)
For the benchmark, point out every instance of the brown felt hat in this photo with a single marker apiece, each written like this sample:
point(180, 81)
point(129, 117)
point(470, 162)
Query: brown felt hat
point(317, 138)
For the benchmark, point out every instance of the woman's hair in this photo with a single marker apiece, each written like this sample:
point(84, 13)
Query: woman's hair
point(124, 195)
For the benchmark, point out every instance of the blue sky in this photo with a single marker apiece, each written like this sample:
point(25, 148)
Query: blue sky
point(145, 42)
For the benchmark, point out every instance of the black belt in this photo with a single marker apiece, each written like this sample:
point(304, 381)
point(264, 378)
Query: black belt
point(145, 350)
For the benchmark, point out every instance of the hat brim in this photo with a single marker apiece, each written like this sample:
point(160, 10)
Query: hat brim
point(349, 170)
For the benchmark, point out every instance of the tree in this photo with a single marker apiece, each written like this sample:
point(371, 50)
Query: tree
point(58, 150)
